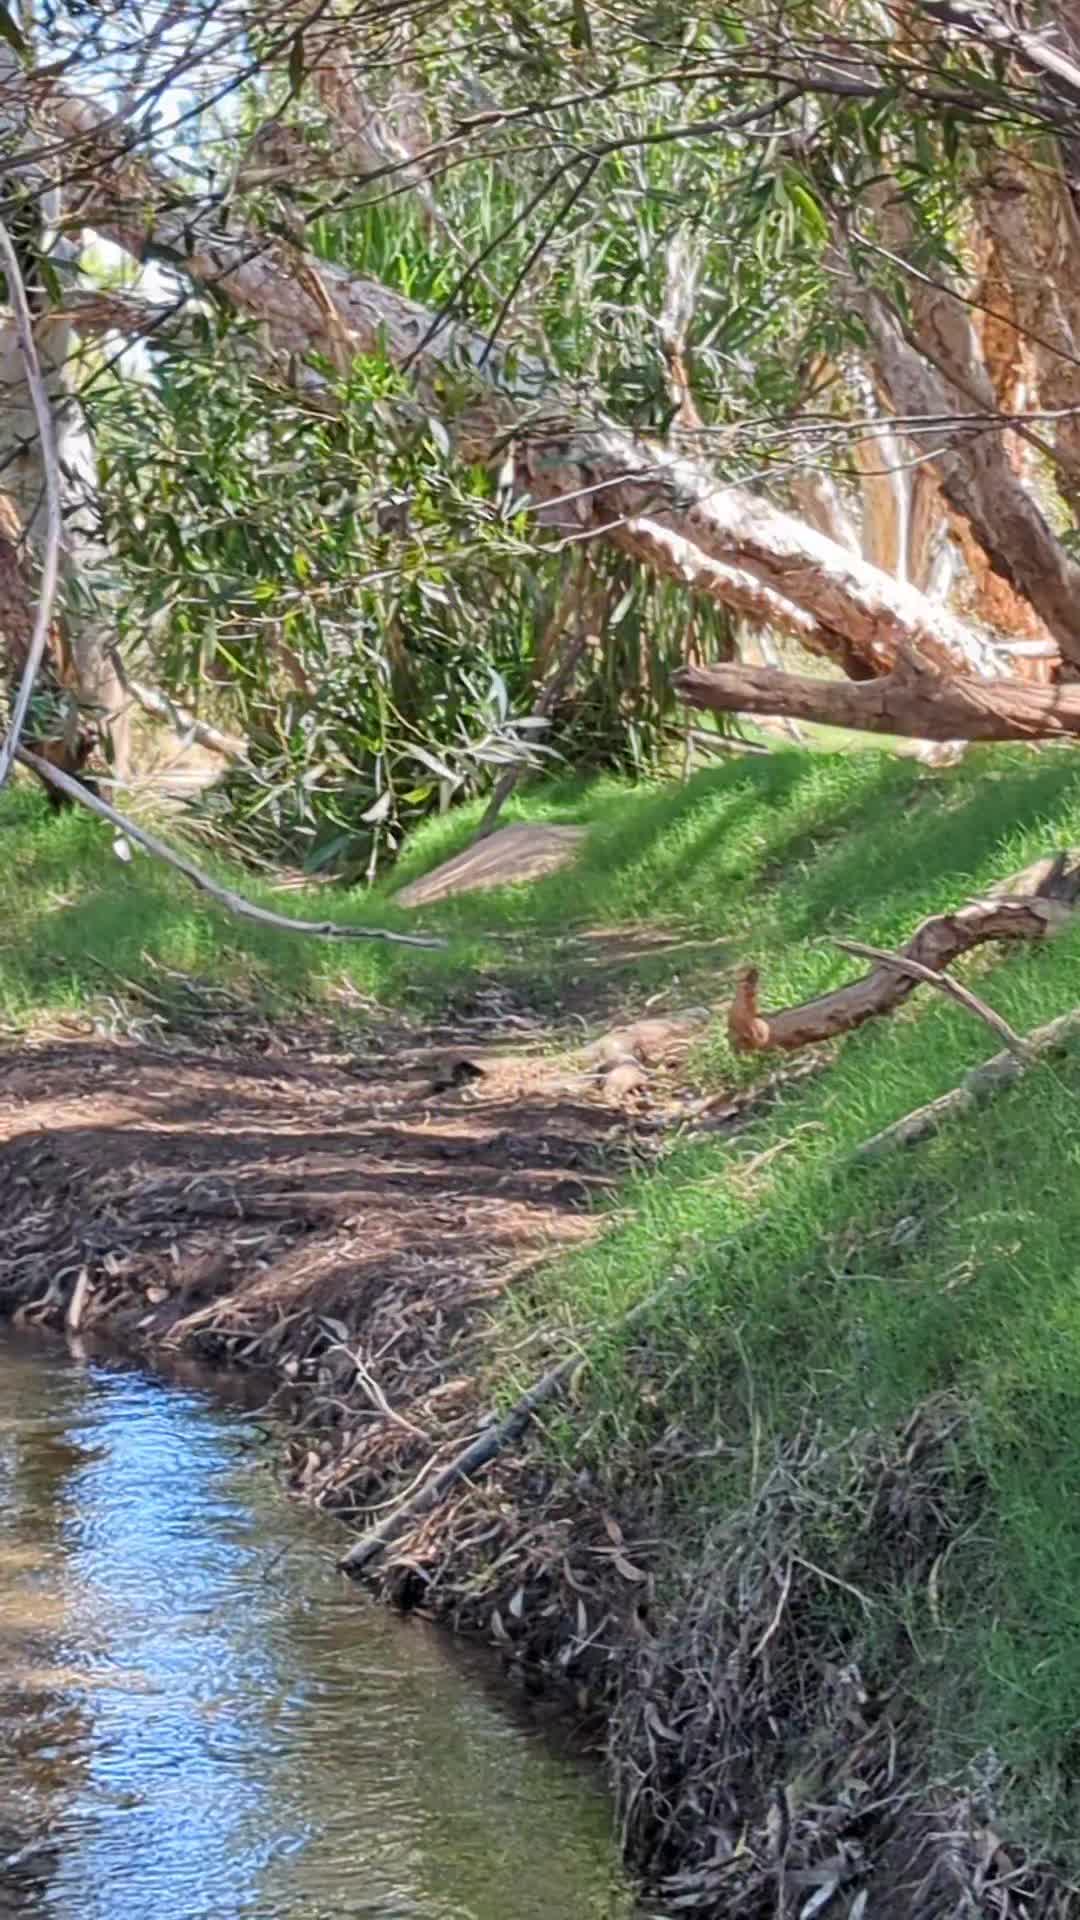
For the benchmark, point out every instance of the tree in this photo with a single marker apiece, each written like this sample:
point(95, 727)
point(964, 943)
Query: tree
point(780, 313)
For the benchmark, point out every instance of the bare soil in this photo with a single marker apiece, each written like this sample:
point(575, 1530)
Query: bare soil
point(340, 1215)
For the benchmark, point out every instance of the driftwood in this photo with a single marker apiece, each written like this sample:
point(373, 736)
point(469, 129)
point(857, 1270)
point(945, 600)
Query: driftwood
point(1005, 915)
point(233, 902)
point(1000, 1071)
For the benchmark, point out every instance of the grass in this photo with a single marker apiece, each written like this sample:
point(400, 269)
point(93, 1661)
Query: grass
point(808, 1290)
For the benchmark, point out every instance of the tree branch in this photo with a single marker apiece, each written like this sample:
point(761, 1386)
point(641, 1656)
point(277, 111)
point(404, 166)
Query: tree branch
point(54, 537)
point(916, 705)
point(233, 902)
point(932, 947)
point(589, 482)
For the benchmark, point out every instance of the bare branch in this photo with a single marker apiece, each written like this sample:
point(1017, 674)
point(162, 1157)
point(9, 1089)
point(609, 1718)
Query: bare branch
point(917, 706)
point(233, 902)
point(963, 996)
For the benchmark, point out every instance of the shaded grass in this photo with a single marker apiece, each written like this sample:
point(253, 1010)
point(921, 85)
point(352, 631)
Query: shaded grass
point(809, 1291)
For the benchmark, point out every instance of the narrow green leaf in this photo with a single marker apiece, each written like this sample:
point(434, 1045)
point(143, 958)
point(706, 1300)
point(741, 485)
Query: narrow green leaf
point(580, 29)
point(297, 69)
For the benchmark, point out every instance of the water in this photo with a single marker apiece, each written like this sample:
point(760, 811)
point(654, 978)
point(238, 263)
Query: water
point(200, 1720)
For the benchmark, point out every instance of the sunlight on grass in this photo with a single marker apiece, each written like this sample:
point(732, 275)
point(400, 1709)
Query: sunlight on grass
point(803, 1289)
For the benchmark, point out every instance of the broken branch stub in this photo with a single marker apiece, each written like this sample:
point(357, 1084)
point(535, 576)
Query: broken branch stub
point(934, 946)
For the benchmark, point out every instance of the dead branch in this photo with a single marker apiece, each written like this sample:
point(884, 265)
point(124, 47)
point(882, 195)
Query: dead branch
point(934, 946)
point(187, 726)
point(54, 536)
point(479, 1453)
point(920, 705)
point(1000, 1071)
point(952, 989)
point(233, 902)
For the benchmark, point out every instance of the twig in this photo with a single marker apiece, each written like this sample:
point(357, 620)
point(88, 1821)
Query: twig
point(492, 1439)
point(50, 570)
point(1002, 1070)
point(479, 1453)
point(234, 902)
point(963, 996)
point(187, 726)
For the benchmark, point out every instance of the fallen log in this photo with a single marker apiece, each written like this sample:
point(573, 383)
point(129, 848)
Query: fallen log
point(933, 946)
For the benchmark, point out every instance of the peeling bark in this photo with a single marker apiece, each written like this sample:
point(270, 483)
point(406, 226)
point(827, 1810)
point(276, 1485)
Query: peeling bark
point(916, 705)
point(934, 945)
point(588, 482)
point(974, 471)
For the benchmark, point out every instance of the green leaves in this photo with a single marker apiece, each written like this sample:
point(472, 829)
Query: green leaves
point(12, 33)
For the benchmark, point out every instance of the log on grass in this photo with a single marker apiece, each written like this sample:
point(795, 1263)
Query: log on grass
point(934, 945)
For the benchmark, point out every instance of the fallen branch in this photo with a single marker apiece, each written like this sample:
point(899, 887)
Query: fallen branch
point(479, 1453)
point(54, 535)
point(1002, 1070)
point(233, 902)
point(933, 947)
point(920, 705)
point(952, 989)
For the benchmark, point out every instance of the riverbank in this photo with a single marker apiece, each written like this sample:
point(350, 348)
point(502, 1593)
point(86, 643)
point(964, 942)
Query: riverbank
point(802, 1527)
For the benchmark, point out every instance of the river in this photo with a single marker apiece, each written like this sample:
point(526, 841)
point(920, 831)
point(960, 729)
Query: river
point(199, 1719)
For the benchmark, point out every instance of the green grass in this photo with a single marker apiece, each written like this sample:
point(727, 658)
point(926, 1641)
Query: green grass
point(806, 1288)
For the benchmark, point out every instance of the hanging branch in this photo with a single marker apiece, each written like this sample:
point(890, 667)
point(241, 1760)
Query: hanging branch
point(233, 902)
point(50, 572)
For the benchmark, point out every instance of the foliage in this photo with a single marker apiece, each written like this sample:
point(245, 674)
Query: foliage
point(369, 612)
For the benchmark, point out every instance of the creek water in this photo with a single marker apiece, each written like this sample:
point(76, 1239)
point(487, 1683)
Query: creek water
point(199, 1719)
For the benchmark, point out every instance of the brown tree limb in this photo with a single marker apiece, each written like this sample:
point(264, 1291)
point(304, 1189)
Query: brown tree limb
point(916, 705)
point(926, 976)
point(233, 902)
point(933, 947)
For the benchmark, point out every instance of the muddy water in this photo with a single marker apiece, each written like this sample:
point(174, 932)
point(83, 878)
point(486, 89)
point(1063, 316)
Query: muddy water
point(200, 1720)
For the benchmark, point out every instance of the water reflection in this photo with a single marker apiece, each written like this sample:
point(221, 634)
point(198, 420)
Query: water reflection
point(197, 1721)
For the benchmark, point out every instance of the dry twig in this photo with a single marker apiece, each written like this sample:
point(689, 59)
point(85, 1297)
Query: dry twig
point(952, 989)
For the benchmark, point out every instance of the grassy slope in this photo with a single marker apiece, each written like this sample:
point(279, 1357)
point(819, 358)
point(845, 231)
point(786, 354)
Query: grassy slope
point(812, 1290)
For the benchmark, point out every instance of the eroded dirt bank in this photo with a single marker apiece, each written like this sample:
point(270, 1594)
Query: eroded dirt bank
point(342, 1217)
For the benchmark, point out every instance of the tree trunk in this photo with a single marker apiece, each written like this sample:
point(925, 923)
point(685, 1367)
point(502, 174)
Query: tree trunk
point(81, 665)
